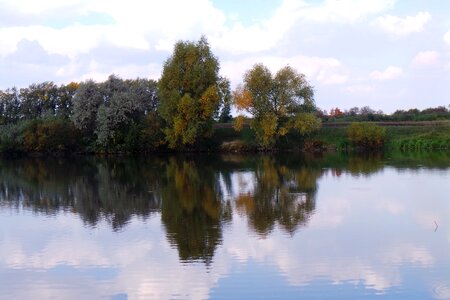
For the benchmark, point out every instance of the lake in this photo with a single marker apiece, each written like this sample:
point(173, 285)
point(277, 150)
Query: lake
point(286, 226)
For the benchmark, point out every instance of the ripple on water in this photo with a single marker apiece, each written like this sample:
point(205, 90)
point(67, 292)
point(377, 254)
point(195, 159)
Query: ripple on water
point(442, 290)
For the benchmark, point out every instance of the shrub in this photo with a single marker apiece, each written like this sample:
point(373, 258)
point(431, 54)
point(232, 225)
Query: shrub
point(366, 135)
point(50, 135)
point(11, 136)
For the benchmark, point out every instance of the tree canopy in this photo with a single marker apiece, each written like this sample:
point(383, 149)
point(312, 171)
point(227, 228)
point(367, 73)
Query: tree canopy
point(278, 103)
point(191, 93)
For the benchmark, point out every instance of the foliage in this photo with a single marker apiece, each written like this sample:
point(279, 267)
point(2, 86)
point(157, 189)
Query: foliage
point(50, 135)
point(64, 101)
point(277, 103)
point(305, 123)
point(11, 136)
point(9, 106)
point(38, 100)
point(238, 123)
point(86, 103)
point(109, 115)
point(183, 108)
point(191, 93)
point(366, 135)
point(418, 138)
point(224, 112)
point(114, 113)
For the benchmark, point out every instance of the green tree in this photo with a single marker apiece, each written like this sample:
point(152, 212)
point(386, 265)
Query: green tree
point(190, 93)
point(39, 100)
point(224, 114)
point(123, 118)
point(86, 103)
point(65, 99)
point(9, 106)
point(277, 103)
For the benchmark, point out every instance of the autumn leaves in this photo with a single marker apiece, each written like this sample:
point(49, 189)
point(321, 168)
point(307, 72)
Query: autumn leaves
point(192, 95)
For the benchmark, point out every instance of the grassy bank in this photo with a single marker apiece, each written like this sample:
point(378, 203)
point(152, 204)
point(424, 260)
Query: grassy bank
point(397, 137)
point(405, 138)
point(419, 138)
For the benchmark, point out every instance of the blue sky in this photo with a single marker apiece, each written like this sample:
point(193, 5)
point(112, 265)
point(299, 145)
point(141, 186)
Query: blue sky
point(387, 54)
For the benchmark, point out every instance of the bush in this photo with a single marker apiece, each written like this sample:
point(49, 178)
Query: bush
point(11, 136)
point(366, 135)
point(50, 135)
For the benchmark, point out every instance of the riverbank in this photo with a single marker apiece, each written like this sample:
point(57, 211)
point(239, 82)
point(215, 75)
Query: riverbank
point(403, 136)
point(399, 136)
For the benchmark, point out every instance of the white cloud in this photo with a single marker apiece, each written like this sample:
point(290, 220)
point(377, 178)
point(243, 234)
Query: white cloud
point(391, 72)
point(259, 36)
point(69, 41)
point(403, 26)
point(146, 24)
point(266, 34)
point(426, 58)
point(359, 89)
point(447, 38)
point(344, 11)
point(295, 29)
point(138, 24)
point(98, 72)
point(240, 39)
point(325, 70)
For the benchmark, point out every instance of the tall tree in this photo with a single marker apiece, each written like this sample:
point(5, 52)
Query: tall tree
point(224, 113)
point(39, 100)
point(9, 106)
point(190, 93)
point(86, 103)
point(65, 99)
point(277, 103)
point(125, 107)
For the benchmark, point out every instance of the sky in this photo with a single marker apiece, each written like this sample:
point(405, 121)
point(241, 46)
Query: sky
point(386, 54)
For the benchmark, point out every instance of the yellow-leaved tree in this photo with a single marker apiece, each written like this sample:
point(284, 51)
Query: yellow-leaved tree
point(191, 93)
point(277, 103)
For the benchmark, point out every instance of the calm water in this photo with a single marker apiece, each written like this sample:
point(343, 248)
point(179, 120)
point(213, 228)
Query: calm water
point(224, 227)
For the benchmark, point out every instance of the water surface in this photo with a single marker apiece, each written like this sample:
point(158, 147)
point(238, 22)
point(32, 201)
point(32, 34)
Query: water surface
point(224, 227)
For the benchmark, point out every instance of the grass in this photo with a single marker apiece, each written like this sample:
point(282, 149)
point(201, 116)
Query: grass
point(401, 138)
point(404, 138)
point(419, 138)
point(331, 137)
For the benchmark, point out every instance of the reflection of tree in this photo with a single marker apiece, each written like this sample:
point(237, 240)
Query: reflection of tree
point(365, 164)
point(192, 209)
point(190, 193)
point(114, 190)
point(356, 164)
point(119, 189)
point(282, 194)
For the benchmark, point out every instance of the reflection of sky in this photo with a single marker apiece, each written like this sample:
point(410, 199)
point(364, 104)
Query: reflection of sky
point(369, 236)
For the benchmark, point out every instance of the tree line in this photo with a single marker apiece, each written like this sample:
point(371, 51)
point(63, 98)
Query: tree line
point(177, 112)
point(363, 114)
